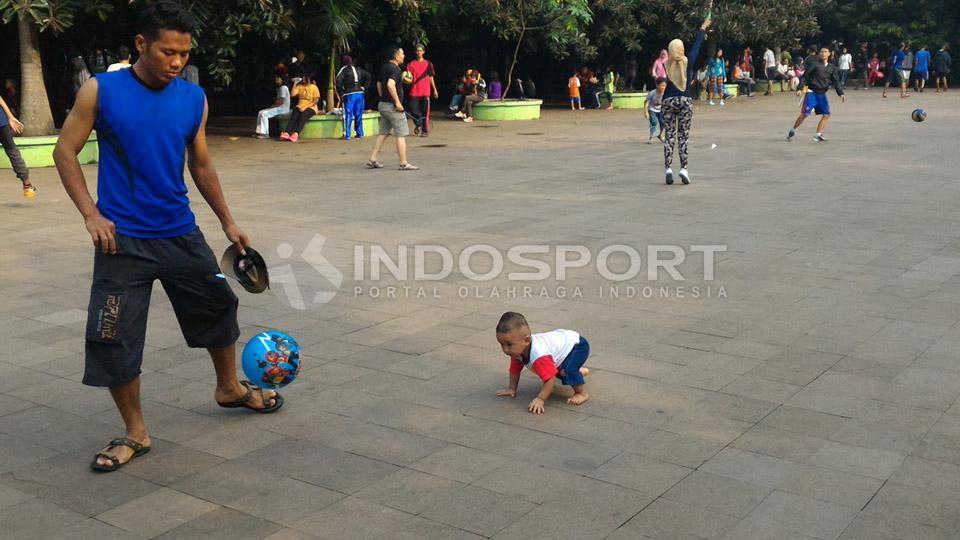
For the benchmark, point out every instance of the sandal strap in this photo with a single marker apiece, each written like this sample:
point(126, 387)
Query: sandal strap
point(249, 394)
point(129, 443)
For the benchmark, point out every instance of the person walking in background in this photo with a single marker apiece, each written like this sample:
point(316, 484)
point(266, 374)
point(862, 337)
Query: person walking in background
point(921, 68)
point(308, 96)
point(280, 106)
point(123, 62)
point(895, 73)
point(573, 88)
point(844, 63)
point(716, 72)
point(864, 59)
point(942, 64)
point(908, 66)
point(422, 87)
point(10, 126)
point(819, 77)
point(609, 87)
point(659, 69)
point(769, 69)
point(393, 120)
point(677, 103)
point(352, 83)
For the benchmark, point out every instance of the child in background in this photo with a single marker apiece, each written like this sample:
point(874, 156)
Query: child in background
point(495, 89)
point(651, 108)
point(10, 126)
point(573, 85)
point(559, 354)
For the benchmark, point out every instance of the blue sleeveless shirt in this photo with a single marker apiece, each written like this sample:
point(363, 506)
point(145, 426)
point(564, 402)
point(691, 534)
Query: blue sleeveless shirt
point(143, 134)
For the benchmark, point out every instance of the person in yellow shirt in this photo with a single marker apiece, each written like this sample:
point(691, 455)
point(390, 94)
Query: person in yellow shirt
point(308, 96)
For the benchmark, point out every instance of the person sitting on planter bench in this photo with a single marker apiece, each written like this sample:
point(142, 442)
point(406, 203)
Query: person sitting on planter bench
point(352, 83)
point(309, 96)
point(494, 89)
point(10, 126)
point(743, 81)
point(280, 106)
point(478, 93)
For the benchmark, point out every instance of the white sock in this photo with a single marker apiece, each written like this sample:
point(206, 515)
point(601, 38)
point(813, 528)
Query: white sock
point(669, 170)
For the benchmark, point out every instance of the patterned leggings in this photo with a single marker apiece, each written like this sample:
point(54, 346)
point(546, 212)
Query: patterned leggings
point(677, 113)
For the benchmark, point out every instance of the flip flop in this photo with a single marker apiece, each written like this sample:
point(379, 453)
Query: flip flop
point(245, 400)
point(138, 450)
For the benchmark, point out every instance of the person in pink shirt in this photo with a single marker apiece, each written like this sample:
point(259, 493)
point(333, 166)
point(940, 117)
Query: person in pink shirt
point(552, 356)
point(659, 70)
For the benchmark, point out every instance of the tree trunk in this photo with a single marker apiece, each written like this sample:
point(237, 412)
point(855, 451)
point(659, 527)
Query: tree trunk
point(513, 64)
point(34, 106)
point(330, 79)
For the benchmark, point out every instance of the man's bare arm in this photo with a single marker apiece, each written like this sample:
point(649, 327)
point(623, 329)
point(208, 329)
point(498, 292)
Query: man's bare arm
point(73, 136)
point(208, 183)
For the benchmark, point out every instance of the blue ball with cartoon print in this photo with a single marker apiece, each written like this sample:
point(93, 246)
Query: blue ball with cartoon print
point(271, 360)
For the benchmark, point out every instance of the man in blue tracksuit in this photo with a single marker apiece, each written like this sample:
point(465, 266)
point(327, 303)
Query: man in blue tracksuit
point(817, 80)
point(352, 83)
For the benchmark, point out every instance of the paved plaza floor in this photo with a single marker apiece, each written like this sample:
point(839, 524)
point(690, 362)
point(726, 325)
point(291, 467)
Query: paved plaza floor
point(808, 390)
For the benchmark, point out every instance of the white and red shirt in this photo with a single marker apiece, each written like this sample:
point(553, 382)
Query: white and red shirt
point(547, 353)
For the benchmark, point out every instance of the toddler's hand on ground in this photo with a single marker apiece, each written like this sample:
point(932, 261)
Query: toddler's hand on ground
point(507, 393)
point(536, 406)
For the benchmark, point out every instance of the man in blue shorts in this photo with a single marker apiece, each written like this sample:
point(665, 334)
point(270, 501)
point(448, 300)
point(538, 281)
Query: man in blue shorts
point(921, 68)
point(817, 80)
point(149, 123)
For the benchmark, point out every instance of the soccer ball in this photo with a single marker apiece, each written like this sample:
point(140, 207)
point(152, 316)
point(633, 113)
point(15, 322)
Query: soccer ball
point(271, 360)
point(918, 115)
point(407, 77)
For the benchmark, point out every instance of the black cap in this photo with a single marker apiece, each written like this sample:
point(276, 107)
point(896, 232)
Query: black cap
point(249, 270)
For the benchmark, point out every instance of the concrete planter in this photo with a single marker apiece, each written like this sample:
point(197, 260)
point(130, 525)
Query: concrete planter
point(761, 87)
point(328, 126)
point(628, 100)
point(38, 151)
point(508, 109)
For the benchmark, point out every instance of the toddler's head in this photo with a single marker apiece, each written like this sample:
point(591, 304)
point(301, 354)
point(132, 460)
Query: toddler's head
point(513, 334)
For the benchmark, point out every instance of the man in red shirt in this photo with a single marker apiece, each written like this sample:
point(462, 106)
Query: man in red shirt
point(421, 89)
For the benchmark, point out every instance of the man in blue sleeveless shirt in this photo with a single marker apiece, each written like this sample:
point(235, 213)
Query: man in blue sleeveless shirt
point(150, 122)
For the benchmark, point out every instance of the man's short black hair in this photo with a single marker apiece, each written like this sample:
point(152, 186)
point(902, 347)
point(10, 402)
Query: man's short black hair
point(510, 321)
point(164, 15)
point(124, 52)
point(392, 52)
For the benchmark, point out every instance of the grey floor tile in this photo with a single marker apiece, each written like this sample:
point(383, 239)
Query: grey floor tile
point(222, 524)
point(156, 513)
point(354, 518)
point(718, 494)
point(478, 510)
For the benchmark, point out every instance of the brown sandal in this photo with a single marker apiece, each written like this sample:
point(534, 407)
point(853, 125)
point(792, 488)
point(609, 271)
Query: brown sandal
point(138, 450)
point(245, 400)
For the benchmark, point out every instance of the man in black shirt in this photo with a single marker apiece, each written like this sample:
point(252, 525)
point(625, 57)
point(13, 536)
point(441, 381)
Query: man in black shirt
point(393, 120)
point(818, 78)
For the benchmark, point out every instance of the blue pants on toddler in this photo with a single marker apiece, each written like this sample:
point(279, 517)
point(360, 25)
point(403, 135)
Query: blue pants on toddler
point(573, 362)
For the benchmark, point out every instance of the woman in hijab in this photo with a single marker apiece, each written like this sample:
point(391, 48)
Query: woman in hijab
point(677, 103)
point(659, 70)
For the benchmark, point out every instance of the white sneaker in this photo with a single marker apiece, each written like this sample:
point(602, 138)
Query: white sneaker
point(684, 176)
point(669, 175)
point(722, 103)
point(712, 103)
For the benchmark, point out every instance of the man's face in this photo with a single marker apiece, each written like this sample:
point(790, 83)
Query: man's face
point(165, 57)
point(824, 54)
point(514, 343)
point(420, 53)
point(399, 56)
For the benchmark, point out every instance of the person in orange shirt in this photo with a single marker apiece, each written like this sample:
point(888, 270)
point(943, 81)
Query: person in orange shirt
point(309, 96)
point(573, 83)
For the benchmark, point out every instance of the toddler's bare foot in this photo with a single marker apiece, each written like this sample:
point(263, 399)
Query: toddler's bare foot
point(578, 399)
point(585, 372)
